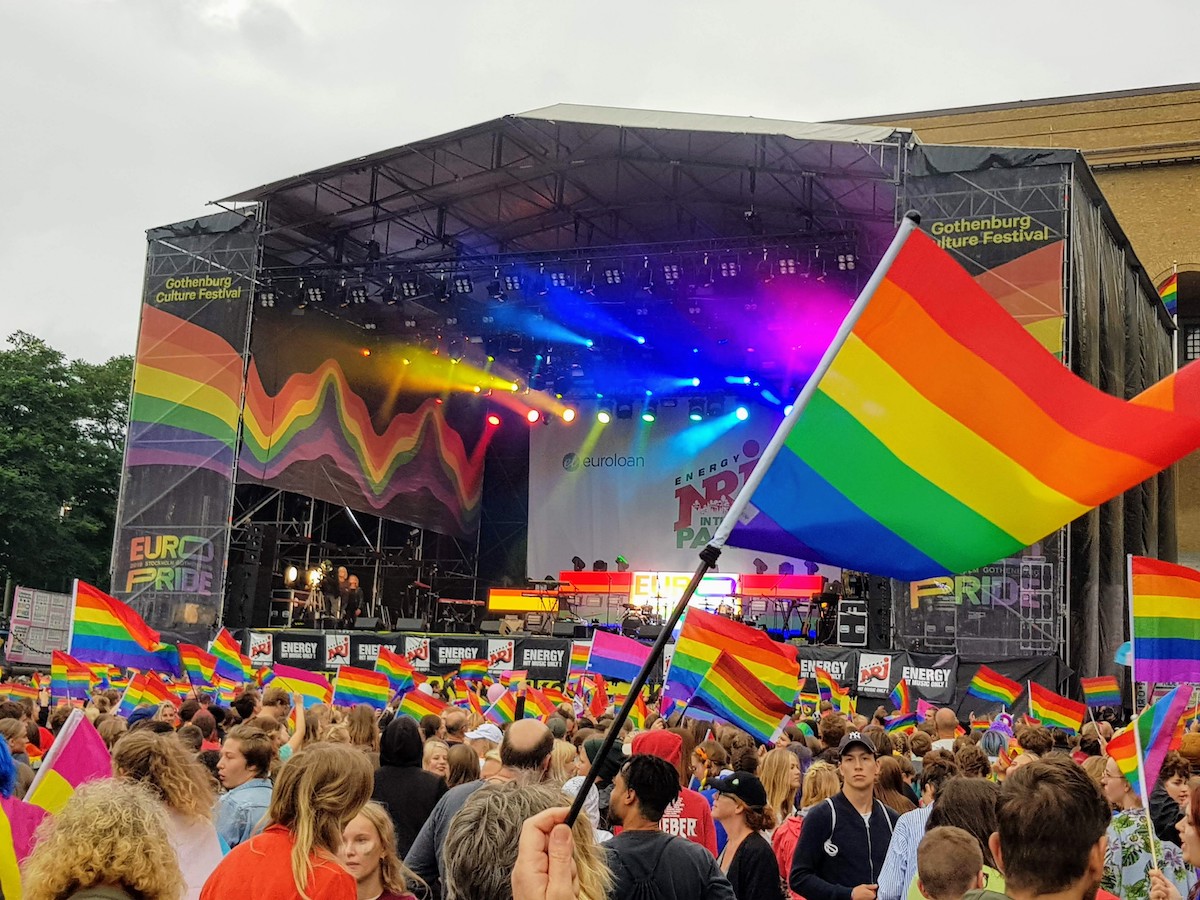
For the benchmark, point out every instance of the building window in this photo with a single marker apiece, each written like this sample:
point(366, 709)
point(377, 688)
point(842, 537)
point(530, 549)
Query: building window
point(1191, 342)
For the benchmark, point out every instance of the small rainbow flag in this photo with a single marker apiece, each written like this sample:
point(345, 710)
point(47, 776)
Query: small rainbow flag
point(825, 683)
point(473, 669)
point(513, 677)
point(901, 697)
point(579, 659)
point(1102, 690)
point(312, 686)
point(227, 690)
point(199, 666)
point(731, 692)
point(69, 678)
point(133, 695)
point(418, 704)
point(810, 699)
point(537, 704)
point(901, 723)
point(231, 662)
point(155, 690)
point(1054, 710)
point(18, 692)
point(989, 685)
point(397, 668)
point(639, 713)
point(105, 630)
point(617, 657)
point(555, 695)
point(1168, 292)
point(1159, 730)
point(1165, 607)
point(356, 686)
point(503, 711)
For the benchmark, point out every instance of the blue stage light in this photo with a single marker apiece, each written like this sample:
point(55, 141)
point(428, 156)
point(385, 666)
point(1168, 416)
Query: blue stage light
point(742, 413)
point(640, 339)
point(589, 344)
point(738, 379)
point(695, 382)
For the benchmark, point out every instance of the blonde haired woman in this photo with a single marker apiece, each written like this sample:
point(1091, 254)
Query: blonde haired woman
point(780, 776)
point(318, 791)
point(363, 727)
point(563, 757)
point(159, 762)
point(110, 838)
point(435, 758)
point(369, 854)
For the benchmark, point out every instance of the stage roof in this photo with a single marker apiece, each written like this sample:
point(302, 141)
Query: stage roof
point(567, 177)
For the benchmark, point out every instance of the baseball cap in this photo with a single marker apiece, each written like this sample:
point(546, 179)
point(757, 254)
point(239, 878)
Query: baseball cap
point(851, 739)
point(743, 785)
point(487, 732)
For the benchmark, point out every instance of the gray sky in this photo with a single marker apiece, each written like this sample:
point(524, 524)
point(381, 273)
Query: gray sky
point(119, 115)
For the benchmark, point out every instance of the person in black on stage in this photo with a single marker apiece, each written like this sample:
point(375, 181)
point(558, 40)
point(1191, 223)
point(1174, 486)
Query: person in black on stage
point(352, 601)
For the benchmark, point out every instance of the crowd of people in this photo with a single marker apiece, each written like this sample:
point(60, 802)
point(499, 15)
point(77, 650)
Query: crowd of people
point(267, 799)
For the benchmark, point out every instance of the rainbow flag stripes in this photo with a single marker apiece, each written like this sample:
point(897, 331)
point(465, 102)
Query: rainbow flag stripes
point(418, 704)
point(231, 662)
point(1102, 690)
point(901, 723)
point(579, 658)
point(473, 669)
point(1055, 711)
point(313, 687)
point(155, 690)
point(901, 697)
point(1168, 292)
point(503, 711)
point(397, 668)
point(133, 695)
point(732, 693)
point(199, 666)
point(69, 678)
point(944, 436)
point(1159, 730)
point(356, 686)
point(989, 685)
point(537, 704)
point(1165, 604)
point(639, 712)
point(107, 631)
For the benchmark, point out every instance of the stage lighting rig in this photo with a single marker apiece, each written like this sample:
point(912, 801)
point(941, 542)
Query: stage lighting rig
point(786, 264)
point(512, 282)
point(410, 287)
point(560, 278)
point(716, 406)
point(604, 414)
point(266, 295)
point(358, 293)
point(846, 262)
point(313, 292)
point(578, 564)
point(390, 292)
point(599, 566)
point(622, 563)
point(463, 283)
point(671, 273)
point(645, 276)
point(650, 411)
point(730, 267)
point(612, 274)
point(760, 567)
point(695, 409)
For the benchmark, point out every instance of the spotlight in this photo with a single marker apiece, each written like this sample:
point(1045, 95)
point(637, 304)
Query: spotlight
point(650, 411)
point(729, 267)
point(612, 274)
point(441, 291)
point(533, 416)
point(645, 276)
point(742, 413)
point(587, 282)
point(463, 284)
point(512, 282)
point(560, 278)
point(314, 577)
point(786, 568)
point(604, 414)
point(624, 409)
point(493, 420)
point(495, 291)
point(568, 415)
point(578, 564)
point(760, 567)
point(696, 409)
point(410, 286)
point(640, 340)
point(599, 566)
point(390, 292)
point(787, 410)
point(786, 264)
point(695, 382)
point(671, 273)
point(266, 295)
point(290, 574)
point(846, 261)
point(341, 294)
point(364, 352)
point(312, 293)
point(622, 563)
point(358, 293)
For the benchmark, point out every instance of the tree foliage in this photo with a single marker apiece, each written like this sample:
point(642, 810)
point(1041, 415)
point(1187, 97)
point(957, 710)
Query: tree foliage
point(62, 430)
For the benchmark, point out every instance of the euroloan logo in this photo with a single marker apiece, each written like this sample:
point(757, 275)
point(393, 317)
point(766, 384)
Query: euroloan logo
point(573, 462)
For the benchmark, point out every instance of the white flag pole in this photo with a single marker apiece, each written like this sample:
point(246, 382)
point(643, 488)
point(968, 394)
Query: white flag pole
point(738, 505)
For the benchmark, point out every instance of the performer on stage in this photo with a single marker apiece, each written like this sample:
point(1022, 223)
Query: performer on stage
point(352, 601)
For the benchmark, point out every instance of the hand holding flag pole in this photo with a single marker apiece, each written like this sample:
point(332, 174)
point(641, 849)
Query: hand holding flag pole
point(712, 552)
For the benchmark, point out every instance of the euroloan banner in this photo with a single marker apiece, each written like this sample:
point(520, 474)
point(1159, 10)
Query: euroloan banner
point(650, 492)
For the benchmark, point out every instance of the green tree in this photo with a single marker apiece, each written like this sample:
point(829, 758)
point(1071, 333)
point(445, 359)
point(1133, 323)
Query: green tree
point(62, 430)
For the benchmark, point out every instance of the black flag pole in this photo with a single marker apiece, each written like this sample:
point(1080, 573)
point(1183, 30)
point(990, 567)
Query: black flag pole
point(708, 559)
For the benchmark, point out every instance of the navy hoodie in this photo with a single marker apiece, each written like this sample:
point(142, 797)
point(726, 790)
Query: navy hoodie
point(401, 785)
point(831, 860)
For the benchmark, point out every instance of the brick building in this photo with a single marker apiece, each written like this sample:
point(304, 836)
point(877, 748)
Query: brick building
point(1144, 148)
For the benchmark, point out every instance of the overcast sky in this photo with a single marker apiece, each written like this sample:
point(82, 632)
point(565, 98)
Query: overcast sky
point(119, 115)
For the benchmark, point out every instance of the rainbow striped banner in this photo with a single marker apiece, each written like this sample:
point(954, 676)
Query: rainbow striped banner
point(579, 659)
point(503, 711)
point(732, 693)
point(537, 704)
point(901, 723)
point(397, 668)
point(1165, 607)
point(1054, 710)
point(199, 666)
point(69, 678)
point(418, 704)
point(1102, 690)
point(355, 686)
point(942, 436)
point(901, 697)
point(989, 685)
point(1155, 732)
point(473, 669)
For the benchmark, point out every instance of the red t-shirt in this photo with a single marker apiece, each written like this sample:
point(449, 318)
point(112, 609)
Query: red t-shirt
point(690, 817)
point(262, 868)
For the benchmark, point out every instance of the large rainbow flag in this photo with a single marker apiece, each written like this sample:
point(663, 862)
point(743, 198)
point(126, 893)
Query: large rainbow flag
point(944, 437)
point(232, 663)
point(731, 692)
point(1165, 605)
point(105, 630)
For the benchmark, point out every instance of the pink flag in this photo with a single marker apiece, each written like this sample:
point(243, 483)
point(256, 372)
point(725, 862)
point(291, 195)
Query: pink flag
point(77, 755)
point(924, 709)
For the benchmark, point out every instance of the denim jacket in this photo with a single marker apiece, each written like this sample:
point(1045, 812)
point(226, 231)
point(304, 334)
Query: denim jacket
point(241, 811)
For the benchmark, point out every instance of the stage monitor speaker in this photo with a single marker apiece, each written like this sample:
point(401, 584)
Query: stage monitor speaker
point(564, 629)
point(650, 632)
point(408, 625)
point(367, 623)
point(489, 626)
point(582, 632)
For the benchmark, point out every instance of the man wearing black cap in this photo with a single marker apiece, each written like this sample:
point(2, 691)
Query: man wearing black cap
point(845, 839)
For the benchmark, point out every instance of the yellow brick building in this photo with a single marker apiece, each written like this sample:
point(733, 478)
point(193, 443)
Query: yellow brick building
point(1144, 149)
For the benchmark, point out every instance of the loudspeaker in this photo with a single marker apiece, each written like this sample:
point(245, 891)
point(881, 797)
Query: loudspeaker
point(489, 626)
point(879, 613)
point(650, 632)
point(408, 625)
point(248, 593)
point(365, 623)
point(582, 632)
point(564, 629)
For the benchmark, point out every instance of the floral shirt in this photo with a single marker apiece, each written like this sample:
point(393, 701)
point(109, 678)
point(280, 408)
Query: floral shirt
point(1128, 858)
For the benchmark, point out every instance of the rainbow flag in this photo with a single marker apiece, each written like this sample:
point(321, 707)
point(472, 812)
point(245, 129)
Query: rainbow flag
point(231, 662)
point(617, 657)
point(1158, 729)
point(397, 668)
point(473, 669)
point(538, 705)
point(513, 677)
point(638, 713)
point(731, 692)
point(830, 690)
point(944, 436)
point(18, 692)
point(900, 723)
point(704, 636)
point(989, 685)
point(1054, 710)
point(78, 755)
point(133, 695)
point(155, 690)
point(809, 699)
point(69, 678)
point(103, 675)
point(418, 704)
point(503, 711)
point(1168, 292)
point(579, 659)
point(105, 630)
point(1102, 690)
point(199, 666)
point(1165, 605)
point(227, 690)
point(901, 697)
point(356, 686)
point(312, 686)
point(555, 695)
